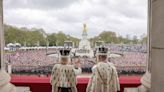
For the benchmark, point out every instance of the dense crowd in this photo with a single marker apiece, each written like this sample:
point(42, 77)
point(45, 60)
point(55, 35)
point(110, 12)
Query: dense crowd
point(132, 60)
point(128, 48)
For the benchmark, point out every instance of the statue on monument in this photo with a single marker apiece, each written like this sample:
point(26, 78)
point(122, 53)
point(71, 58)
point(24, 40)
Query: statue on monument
point(84, 48)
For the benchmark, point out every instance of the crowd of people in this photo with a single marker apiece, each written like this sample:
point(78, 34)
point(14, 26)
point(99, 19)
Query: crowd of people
point(132, 60)
point(127, 47)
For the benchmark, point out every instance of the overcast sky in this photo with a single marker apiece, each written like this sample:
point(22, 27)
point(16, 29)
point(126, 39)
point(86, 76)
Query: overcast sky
point(121, 16)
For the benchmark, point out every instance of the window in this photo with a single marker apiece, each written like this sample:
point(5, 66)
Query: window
point(121, 25)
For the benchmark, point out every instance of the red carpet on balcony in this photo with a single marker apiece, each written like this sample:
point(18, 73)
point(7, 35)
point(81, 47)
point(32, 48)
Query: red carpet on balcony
point(41, 84)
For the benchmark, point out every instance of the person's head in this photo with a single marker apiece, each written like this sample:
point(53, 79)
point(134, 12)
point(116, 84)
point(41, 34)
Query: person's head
point(64, 56)
point(102, 54)
point(102, 57)
point(64, 60)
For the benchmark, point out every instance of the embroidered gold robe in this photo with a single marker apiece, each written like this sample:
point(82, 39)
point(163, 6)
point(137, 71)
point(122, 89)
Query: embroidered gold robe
point(64, 76)
point(104, 78)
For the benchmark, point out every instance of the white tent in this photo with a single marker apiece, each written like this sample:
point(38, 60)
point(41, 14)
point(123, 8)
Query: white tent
point(17, 44)
point(10, 45)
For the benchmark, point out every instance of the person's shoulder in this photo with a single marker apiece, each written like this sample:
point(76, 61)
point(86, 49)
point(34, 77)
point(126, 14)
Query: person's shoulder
point(102, 64)
point(56, 65)
point(112, 65)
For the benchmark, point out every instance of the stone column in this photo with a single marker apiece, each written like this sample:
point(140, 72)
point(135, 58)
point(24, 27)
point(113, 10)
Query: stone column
point(156, 49)
point(157, 46)
point(146, 79)
point(5, 85)
point(1, 36)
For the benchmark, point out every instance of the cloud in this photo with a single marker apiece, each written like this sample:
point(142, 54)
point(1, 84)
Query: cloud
point(38, 4)
point(121, 16)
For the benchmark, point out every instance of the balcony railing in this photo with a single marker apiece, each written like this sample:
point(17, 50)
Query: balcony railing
point(42, 84)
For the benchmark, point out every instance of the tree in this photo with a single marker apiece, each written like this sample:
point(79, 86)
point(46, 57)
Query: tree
point(61, 37)
point(127, 39)
point(34, 36)
point(52, 39)
point(13, 34)
point(144, 39)
point(109, 37)
point(135, 40)
point(24, 35)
